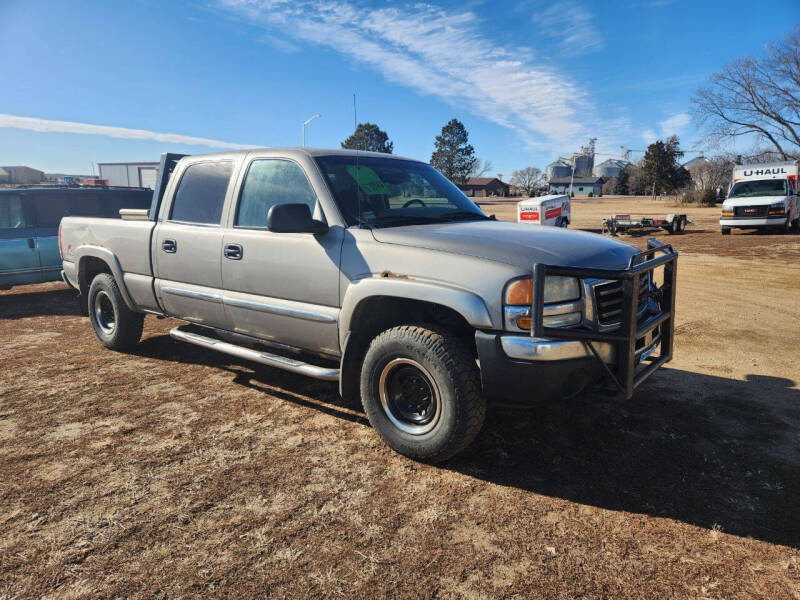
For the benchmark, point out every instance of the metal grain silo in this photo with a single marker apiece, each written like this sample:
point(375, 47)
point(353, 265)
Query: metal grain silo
point(558, 168)
point(609, 168)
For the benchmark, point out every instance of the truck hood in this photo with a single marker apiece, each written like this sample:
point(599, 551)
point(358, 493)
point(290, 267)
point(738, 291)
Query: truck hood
point(753, 200)
point(512, 243)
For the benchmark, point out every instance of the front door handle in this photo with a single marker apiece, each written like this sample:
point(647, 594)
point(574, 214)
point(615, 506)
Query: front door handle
point(170, 246)
point(233, 251)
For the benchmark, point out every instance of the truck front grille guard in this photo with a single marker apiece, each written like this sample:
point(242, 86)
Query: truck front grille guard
point(626, 375)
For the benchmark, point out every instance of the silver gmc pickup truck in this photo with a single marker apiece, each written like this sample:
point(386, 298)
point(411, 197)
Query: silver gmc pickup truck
point(377, 272)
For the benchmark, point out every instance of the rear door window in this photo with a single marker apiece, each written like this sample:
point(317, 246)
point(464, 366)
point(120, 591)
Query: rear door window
point(270, 182)
point(201, 193)
point(12, 212)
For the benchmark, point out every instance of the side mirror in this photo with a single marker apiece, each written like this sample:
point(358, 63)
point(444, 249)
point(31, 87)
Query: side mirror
point(293, 218)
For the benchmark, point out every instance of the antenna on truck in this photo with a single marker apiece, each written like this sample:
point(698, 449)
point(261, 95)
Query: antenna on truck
point(358, 172)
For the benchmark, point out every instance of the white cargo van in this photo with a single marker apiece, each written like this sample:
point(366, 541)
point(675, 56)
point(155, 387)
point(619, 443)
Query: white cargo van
point(545, 210)
point(763, 195)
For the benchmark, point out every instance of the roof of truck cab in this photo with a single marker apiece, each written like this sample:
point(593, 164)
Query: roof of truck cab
point(297, 151)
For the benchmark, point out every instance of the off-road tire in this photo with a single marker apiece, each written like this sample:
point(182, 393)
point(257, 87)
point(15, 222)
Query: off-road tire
point(127, 325)
point(455, 375)
point(725, 230)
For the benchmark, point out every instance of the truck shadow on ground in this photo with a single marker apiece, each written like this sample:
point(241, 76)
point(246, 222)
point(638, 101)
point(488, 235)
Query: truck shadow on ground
point(710, 451)
point(58, 301)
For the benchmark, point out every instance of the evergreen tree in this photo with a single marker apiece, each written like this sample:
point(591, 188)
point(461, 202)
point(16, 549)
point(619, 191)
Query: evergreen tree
point(370, 138)
point(662, 172)
point(453, 156)
point(621, 184)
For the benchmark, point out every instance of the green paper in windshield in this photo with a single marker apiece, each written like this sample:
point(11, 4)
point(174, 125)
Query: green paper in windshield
point(368, 180)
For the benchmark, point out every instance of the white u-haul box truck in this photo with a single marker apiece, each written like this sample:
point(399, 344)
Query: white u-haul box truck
point(551, 210)
point(761, 196)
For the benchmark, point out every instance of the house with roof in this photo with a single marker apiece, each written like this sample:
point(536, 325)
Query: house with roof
point(581, 186)
point(482, 187)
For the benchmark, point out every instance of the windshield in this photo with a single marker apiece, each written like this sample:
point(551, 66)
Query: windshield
point(762, 187)
point(387, 192)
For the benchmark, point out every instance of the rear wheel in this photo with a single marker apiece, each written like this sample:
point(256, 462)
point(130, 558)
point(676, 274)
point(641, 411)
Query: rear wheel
point(115, 325)
point(420, 388)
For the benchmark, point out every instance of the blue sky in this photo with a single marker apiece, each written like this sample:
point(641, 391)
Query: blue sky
point(530, 80)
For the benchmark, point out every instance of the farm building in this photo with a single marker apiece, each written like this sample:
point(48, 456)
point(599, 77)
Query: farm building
point(20, 175)
point(481, 187)
point(581, 186)
point(134, 174)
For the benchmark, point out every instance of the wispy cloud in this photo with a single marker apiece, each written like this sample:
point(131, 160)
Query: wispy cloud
point(672, 125)
point(47, 125)
point(675, 124)
point(439, 53)
point(572, 25)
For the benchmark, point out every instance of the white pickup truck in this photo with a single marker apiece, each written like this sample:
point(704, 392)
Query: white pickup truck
point(762, 196)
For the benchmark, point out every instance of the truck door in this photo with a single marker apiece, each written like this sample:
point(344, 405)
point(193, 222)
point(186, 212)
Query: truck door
point(19, 252)
point(187, 245)
point(281, 286)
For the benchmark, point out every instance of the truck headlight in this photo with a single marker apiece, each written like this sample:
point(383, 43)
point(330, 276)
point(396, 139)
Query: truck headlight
point(556, 289)
point(777, 208)
point(727, 211)
point(561, 298)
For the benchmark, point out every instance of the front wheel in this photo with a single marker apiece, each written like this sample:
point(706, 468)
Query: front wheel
point(116, 326)
point(725, 230)
point(420, 388)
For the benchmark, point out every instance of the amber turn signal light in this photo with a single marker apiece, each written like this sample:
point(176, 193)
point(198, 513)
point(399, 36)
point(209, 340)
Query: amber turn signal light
point(520, 293)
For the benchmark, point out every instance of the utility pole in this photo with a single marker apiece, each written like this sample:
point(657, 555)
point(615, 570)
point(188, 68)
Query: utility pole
point(306, 122)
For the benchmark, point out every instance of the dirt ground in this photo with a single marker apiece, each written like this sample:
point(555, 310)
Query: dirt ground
point(177, 472)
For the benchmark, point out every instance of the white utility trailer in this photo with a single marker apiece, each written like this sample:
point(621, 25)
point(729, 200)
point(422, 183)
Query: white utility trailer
point(553, 210)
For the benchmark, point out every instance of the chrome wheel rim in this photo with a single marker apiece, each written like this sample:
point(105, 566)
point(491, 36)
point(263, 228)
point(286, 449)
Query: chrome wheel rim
point(409, 396)
point(104, 313)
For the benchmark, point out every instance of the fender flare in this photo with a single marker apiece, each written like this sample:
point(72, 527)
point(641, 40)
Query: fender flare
point(108, 257)
point(468, 304)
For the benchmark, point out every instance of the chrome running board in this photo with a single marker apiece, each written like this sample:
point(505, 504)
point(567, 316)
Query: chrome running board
point(264, 358)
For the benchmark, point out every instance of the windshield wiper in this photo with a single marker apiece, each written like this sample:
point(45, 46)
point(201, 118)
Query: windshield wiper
point(462, 214)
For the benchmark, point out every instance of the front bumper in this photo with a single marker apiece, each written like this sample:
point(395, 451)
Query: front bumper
point(768, 221)
point(562, 361)
point(517, 371)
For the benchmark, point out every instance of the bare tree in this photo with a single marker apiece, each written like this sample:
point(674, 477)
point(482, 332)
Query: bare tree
point(713, 174)
point(756, 97)
point(481, 168)
point(527, 179)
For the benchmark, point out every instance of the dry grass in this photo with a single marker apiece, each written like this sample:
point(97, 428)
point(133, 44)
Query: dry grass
point(176, 472)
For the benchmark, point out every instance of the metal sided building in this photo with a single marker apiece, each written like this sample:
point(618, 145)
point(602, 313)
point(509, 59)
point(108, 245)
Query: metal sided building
point(133, 174)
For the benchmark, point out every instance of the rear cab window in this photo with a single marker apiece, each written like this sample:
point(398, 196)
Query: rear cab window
point(200, 196)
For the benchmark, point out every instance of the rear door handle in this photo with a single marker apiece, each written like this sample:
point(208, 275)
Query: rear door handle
point(170, 246)
point(233, 251)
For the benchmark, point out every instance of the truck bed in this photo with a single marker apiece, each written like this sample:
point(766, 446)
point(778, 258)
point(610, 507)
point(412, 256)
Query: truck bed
point(128, 242)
